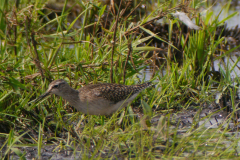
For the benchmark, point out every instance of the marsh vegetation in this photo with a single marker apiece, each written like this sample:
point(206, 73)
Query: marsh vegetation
point(192, 110)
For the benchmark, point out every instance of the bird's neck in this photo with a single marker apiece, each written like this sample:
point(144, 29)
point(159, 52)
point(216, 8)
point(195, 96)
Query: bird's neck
point(71, 95)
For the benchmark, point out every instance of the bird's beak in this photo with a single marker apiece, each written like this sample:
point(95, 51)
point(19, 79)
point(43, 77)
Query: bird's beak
point(41, 97)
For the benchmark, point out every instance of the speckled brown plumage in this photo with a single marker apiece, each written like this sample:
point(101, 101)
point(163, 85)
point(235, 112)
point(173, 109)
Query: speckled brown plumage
point(114, 92)
point(96, 99)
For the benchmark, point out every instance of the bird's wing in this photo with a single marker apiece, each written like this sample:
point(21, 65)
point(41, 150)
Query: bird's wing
point(114, 92)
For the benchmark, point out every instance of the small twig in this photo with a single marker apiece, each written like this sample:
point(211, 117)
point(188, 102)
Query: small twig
point(105, 25)
point(234, 63)
point(186, 40)
point(112, 6)
point(216, 120)
point(124, 10)
point(156, 18)
point(92, 40)
point(133, 62)
point(26, 30)
point(154, 63)
point(180, 36)
point(78, 42)
point(34, 43)
point(133, 10)
point(15, 34)
point(121, 13)
point(113, 44)
point(69, 66)
point(125, 65)
point(169, 54)
point(36, 59)
point(148, 22)
point(209, 120)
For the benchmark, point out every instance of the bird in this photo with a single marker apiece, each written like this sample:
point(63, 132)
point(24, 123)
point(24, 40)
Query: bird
point(96, 99)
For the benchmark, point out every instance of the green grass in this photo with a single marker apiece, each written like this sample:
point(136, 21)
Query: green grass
point(34, 52)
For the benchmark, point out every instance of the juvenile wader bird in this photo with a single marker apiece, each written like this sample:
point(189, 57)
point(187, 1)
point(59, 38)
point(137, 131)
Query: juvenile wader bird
point(96, 99)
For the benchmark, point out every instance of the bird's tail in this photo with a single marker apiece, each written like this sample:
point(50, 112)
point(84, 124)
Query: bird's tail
point(144, 85)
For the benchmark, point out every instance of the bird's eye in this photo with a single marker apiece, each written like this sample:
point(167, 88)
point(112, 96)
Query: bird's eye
point(55, 86)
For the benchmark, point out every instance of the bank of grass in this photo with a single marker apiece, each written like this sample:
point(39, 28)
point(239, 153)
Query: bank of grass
point(32, 55)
